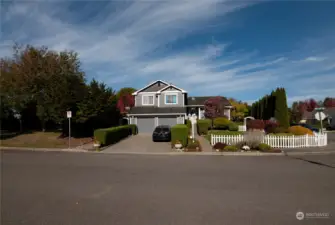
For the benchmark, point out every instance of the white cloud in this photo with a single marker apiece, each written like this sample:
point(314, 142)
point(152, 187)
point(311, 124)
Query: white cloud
point(130, 44)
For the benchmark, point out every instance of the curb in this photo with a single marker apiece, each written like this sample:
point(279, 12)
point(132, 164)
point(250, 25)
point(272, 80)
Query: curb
point(43, 149)
point(197, 153)
point(172, 153)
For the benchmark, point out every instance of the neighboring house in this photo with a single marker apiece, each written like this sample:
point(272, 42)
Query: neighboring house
point(309, 117)
point(162, 103)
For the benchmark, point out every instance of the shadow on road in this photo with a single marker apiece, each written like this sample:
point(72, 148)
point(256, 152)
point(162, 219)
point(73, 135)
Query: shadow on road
point(313, 162)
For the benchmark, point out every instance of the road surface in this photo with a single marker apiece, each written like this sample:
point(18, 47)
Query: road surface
point(54, 188)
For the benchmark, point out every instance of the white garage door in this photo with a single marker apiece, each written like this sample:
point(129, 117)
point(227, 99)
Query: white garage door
point(170, 121)
point(145, 124)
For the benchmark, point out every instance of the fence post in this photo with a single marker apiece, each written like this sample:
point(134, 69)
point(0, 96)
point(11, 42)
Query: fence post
point(306, 140)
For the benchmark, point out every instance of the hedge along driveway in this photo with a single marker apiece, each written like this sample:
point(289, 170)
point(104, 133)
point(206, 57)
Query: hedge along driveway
point(139, 143)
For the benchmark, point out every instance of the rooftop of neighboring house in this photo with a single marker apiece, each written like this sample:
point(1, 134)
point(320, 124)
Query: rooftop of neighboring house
point(311, 115)
point(200, 100)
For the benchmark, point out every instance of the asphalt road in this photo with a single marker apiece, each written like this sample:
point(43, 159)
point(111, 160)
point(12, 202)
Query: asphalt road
point(95, 189)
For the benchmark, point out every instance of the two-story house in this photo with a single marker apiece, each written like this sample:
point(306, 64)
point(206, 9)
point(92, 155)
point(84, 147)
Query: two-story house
point(162, 103)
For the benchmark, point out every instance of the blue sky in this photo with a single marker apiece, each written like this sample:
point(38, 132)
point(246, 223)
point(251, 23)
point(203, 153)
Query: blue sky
point(239, 49)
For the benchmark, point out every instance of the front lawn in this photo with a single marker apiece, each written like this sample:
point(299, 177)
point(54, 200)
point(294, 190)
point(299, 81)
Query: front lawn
point(43, 140)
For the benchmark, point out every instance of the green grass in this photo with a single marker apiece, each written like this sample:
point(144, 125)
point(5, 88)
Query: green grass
point(42, 140)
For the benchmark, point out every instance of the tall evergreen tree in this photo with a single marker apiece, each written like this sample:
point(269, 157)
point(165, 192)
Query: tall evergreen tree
point(281, 109)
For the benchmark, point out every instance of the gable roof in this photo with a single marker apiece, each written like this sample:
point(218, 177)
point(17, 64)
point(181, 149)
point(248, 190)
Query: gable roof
point(200, 100)
point(311, 115)
point(164, 82)
point(171, 85)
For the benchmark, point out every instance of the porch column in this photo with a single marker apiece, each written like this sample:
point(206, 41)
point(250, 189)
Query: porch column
point(199, 113)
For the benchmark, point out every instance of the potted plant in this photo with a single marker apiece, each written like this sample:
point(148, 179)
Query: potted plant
point(178, 144)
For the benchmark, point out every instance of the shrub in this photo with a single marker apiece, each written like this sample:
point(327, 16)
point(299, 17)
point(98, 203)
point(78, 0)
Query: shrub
point(112, 135)
point(179, 132)
point(255, 125)
point(299, 130)
point(221, 123)
point(264, 147)
point(270, 126)
point(133, 128)
point(252, 144)
point(220, 146)
point(253, 136)
point(193, 146)
point(231, 148)
point(233, 127)
point(225, 132)
point(278, 130)
point(203, 126)
point(189, 124)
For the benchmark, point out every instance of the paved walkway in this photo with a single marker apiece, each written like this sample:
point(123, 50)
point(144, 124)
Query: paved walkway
point(205, 145)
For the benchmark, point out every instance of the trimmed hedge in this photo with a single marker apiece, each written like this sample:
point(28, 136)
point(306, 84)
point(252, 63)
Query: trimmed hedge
point(179, 132)
point(299, 130)
point(113, 135)
point(203, 126)
point(233, 126)
point(221, 123)
point(133, 128)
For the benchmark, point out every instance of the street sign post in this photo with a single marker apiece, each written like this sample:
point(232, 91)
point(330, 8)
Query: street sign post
point(69, 115)
point(320, 116)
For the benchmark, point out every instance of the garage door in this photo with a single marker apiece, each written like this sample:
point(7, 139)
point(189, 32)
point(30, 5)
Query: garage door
point(145, 124)
point(170, 121)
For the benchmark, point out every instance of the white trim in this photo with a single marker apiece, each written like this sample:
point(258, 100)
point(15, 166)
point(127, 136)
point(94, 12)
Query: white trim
point(171, 85)
point(194, 105)
point(136, 92)
point(165, 95)
point(156, 121)
point(146, 95)
point(159, 114)
point(183, 99)
point(158, 100)
point(171, 92)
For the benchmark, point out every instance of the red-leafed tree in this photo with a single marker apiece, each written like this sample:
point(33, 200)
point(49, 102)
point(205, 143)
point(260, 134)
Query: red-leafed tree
point(214, 107)
point(311, 104)
point(329, 102)
point(124, 101)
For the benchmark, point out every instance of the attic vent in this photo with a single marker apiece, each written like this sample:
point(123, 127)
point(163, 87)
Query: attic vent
point(159, 84)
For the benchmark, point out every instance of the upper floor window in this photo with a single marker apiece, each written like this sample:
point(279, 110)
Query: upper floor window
point(170, 99)
point(147, 100)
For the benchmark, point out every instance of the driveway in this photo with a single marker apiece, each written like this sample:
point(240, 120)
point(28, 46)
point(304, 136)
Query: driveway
point(139, 143)
point(107, 189)
point(331, 137)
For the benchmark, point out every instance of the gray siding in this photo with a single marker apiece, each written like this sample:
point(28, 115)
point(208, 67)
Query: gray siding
point(155, 87)
point(145, 124)
point(180, 98)
point(138, 99)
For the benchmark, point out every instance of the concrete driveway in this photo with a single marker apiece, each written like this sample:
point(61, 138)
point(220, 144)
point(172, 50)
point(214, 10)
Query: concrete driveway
point(139, 143)
point(331, 137)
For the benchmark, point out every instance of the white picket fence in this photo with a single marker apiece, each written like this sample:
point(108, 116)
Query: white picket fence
point(277, 141)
